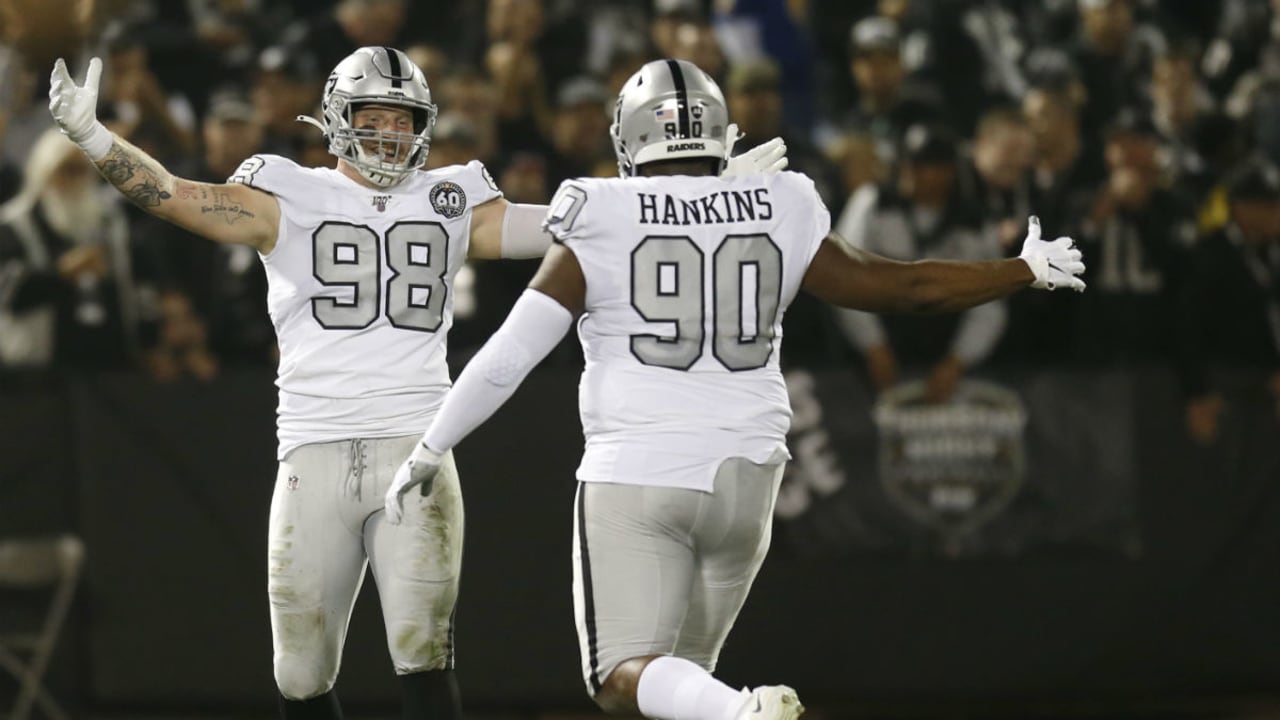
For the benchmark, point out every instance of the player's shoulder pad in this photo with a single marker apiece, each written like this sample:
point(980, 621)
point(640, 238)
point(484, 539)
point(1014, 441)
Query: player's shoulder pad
point(272, 173)
point(800, 185)
point(565, 217)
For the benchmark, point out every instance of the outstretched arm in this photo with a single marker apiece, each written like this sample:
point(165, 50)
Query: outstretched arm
point(503, 229)
point(537, 323)
point(229, 213)
point(861, 280)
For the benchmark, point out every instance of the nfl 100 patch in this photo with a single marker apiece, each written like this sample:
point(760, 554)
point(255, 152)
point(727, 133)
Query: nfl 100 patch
point(448, 199)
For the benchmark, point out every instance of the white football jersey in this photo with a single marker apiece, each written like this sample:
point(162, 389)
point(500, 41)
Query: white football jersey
point(360, 293)
point(687, 281)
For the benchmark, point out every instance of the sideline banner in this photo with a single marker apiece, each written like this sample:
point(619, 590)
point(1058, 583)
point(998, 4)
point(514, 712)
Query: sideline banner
point(1014, 465)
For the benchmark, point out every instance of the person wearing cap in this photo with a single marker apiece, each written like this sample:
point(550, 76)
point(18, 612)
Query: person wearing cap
point(753, 92)
point(1230, 309)
point(140, 109)
point(886, 103)
point(226, 283)
point(995, 175)
point(579, 130)
point(1202, 141)
point(283, 87)
point(923, 217)
point(350, 24)
point(1113, 54)
point(1139, 230)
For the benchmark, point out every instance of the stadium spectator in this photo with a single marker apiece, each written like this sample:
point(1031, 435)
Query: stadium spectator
point(970, 52)
point(226, 284)
point(1066, 171)
point(681, 30)
point(754, 30)
point(1066, 168)
point(1200, 141)
point(580, 131)
point(924, 217)
point(284, 87)
point(469, 94)
point(136, 105)
point(335, 33)
point(74, 290)
point(886, 104)
point(995, 176)
point(454, 141)
point(1230, 308)
point(754, 95)
point(1113, 55)
point(1137, 234)
point(9, 175)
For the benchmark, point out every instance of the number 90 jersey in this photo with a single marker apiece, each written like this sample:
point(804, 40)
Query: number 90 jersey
point(360, 293)
point(687, 281)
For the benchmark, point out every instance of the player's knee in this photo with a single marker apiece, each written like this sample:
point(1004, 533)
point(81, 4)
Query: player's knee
point(302, 679)
point(617, 694)
point(424, 642)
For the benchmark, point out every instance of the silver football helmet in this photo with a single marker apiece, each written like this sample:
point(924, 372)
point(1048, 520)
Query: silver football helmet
point(668, 110)
point(377, 76)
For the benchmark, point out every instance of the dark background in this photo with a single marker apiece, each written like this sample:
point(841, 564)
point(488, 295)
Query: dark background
point(173, 616)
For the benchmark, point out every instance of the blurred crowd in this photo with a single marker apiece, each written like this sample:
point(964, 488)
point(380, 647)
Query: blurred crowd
point(1146, 129)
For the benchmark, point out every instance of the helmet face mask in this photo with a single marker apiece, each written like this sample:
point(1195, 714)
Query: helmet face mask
point(383, 77)
point(669, 110)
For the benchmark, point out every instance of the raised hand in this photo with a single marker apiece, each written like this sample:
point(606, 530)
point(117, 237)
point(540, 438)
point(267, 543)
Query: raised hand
point(75, 108)
point(770, 157)
point(1056, 263)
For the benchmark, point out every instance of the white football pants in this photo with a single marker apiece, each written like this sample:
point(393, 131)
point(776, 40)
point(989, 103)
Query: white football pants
point(327, 525)
point(665, 571)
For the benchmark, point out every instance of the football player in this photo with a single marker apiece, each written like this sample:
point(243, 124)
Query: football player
point(360, 262)
point(681, 280)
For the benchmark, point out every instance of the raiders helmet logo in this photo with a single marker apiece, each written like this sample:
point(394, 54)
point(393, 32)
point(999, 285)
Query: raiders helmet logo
point(448, 199)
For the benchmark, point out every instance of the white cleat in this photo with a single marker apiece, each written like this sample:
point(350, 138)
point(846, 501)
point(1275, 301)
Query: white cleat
point(771, 702)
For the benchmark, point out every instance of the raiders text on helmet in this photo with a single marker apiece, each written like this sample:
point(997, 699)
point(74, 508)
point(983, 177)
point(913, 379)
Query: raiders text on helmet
point(669, 110)
point(377, 76)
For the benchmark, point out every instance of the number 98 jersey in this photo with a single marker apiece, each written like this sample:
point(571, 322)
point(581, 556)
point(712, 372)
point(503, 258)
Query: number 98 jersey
point(687, 281)
point(360, 293)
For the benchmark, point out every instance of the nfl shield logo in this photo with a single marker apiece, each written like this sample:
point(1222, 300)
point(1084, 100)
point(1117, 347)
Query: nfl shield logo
point(380, 202)
point(292, 482)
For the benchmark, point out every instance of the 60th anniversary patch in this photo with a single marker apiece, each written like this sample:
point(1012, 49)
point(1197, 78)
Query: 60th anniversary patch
point(448, 199)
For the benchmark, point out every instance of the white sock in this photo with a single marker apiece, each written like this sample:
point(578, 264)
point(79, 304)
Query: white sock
point(673, 688)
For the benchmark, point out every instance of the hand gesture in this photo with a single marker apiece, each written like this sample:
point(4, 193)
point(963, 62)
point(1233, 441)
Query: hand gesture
point(770, 157)
point(419, 470)
point(75, 108)
point(1055, 264)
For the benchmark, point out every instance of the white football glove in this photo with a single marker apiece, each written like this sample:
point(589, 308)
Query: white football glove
point(75, 108)
point(1055, 264)
point(770, 157)
point(419, 470)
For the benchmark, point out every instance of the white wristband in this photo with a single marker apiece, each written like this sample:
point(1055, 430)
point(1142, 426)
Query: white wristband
point(98, 142)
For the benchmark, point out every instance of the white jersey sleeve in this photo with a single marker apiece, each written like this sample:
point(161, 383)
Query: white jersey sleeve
point(476, 183)
point(687, 282)
point(272, 173)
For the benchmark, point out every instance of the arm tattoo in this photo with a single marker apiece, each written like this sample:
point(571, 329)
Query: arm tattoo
point(226, 208)
point(137, 176)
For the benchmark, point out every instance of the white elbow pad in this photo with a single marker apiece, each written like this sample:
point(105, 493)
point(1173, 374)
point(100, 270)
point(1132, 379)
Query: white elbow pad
point(532, 330)
point(522, 233)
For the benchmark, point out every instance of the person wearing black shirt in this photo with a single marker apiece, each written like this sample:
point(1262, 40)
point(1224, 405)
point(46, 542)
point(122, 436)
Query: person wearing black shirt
point(1230, 307)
